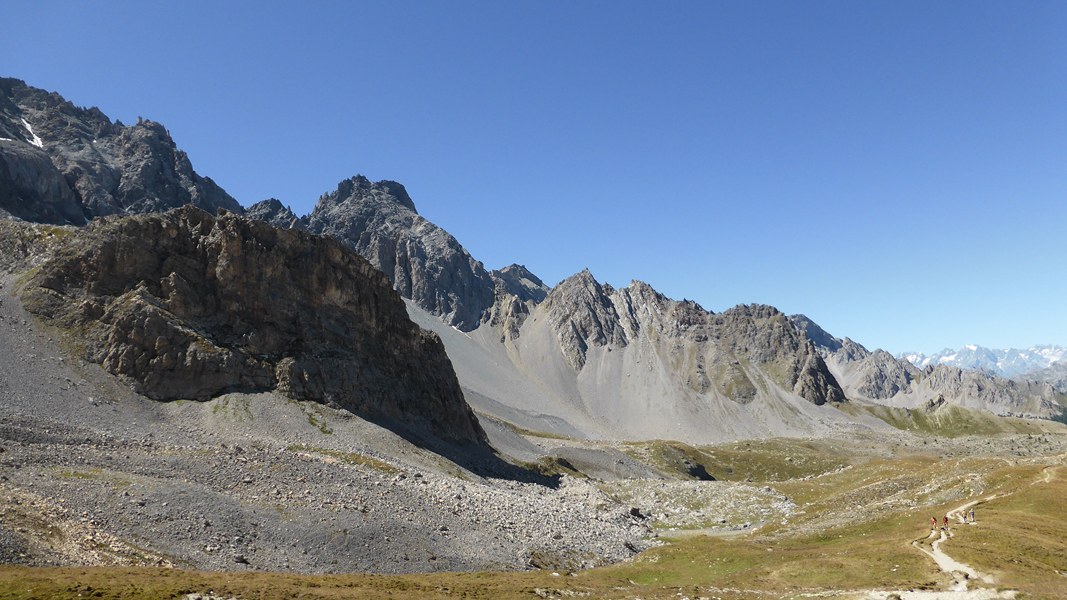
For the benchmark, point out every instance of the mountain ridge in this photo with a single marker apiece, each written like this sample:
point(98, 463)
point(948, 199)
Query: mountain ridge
point(63, 164)
point(882, 378)
point(574, 345)
point(1009, 362)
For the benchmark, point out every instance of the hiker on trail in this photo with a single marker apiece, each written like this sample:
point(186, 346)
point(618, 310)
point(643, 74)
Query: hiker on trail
point(933, 523)
point(944, 522)
point(972, 515)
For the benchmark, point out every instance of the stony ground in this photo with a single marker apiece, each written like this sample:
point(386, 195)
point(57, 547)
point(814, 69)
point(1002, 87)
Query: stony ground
point(93, 474)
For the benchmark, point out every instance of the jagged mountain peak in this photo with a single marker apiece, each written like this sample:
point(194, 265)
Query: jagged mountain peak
point(274, 212)
point(583, 278)
point(819, 336)
point(756, 311)
point(520, 271)
point(880, 377)
point(361, 189)
point(705, 350)
point(581, 312)
point(425, 263)
point(67, 165)
point(28, 110)
point(273, 204)
point(641, 288)
point(518, 281)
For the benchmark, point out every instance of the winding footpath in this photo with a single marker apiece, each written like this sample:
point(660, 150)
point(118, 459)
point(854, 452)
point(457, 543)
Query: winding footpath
point(962, 574)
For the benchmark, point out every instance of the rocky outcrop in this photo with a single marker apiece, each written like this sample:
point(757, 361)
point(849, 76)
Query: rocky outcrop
point(763, 336)
point(1055, 375)
point(33, 189)
point(426, 264)
point(882, 376)
point(24, 245)
point(187, 305)
point(66, 165)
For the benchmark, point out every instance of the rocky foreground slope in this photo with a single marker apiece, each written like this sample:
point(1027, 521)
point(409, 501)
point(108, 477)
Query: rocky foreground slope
point(94, 474)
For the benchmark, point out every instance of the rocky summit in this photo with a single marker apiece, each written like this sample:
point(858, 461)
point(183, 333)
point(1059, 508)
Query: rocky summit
point(63, 164)
point(185, 305)
point(425, 263)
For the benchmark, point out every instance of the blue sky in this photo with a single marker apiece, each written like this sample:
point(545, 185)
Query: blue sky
point(895, 170)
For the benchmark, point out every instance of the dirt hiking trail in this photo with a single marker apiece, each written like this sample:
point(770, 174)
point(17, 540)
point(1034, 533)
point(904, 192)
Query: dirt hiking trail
point(962, 574)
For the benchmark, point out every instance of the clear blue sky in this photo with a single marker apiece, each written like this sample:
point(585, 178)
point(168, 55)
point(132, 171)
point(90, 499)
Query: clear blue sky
point(895, 170)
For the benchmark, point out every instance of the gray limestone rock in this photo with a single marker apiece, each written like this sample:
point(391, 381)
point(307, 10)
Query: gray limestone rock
point(704, 350)
point(883, 376)
point(1000, 396)
point(518, 281)
point(582, 314)
point(1055, 375)
point(426, 264)
point(880, 377)
point(186, 305)
point(33, 189)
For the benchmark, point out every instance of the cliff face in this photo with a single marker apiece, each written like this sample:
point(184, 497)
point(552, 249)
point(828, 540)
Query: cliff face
point(67, 165)
point(187, 305)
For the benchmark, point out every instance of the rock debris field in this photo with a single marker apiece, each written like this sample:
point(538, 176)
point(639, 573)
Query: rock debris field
point(93, 474)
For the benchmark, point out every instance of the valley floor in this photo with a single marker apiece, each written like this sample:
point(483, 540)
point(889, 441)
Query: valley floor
point(855, 531)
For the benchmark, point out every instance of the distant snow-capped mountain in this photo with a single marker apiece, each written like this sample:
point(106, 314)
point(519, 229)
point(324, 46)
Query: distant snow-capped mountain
point(1012, 362)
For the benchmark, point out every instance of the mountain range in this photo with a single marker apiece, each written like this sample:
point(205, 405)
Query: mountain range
point(581, 358)
point(1012, 362)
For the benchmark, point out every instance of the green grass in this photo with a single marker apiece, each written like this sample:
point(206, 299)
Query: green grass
point(1021, 538)
point(116, 481)
point(757, 460)
point(351, 458)
point(951, 421)
point(872, 555)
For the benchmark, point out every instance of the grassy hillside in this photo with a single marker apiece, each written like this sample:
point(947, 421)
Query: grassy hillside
point(952, 421)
